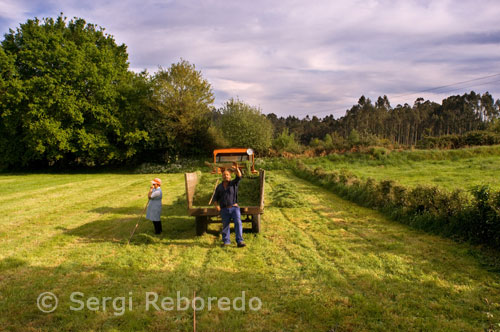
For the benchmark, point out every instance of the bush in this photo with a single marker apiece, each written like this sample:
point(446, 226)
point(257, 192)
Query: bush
point(180, 166)
point(486, 218)
point(286, 142)
point(471, 138)
point(274, 163)
point(379, 153)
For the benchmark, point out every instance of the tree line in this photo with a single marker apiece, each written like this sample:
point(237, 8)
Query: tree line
point(68, 98)
point(403, 124)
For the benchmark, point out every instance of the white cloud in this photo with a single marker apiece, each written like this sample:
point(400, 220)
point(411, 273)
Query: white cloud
point(297, 56)
point(11, 9)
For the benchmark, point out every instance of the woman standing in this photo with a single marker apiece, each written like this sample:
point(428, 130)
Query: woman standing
point(154, 207)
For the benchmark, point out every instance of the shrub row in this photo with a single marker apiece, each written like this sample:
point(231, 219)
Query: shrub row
point(473, 216)
point(182, 165)
point(471, 138)
point(381, 156)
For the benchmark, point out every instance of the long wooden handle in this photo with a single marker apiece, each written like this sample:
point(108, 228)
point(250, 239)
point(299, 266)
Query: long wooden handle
point(136, 225)
point(213, 194)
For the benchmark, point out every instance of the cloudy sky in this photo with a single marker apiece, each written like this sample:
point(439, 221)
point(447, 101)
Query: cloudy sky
point(302, 57)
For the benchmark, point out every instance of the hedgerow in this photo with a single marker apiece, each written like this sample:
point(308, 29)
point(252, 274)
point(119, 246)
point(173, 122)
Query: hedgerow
point(470, 216)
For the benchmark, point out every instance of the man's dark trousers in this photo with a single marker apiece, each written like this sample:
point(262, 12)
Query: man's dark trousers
point(227, 214)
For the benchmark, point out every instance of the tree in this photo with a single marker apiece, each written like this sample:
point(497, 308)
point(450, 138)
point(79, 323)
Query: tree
point(285, 142)
point(136, 94)
point(353, 138)
point(10, 123)
point(278, 124)
point(181, 106)
point(244, 126)
point(60, 100)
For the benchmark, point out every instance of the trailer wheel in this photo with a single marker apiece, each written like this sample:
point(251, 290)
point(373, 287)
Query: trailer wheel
point(256, 223)
point(201, 225)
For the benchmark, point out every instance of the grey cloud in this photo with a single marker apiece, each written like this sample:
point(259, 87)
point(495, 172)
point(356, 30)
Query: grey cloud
point(301, 57)
point(488, 37)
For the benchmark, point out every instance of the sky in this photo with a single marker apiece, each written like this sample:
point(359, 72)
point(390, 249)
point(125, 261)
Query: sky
point(302, 57)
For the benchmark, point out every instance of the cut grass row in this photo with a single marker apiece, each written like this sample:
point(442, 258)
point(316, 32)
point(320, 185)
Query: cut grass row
point(327, 264)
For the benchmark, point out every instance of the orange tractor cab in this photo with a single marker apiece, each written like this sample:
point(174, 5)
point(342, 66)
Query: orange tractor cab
point(224, 158)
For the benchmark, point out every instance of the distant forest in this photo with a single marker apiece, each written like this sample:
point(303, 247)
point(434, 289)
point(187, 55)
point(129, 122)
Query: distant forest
point(403, 124)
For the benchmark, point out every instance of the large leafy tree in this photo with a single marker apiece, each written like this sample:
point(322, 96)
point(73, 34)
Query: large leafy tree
point(244, 126)
point(61, 91)
point(181, 108)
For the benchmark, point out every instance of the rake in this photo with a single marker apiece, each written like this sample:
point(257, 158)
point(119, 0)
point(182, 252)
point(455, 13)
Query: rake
point(137, 225)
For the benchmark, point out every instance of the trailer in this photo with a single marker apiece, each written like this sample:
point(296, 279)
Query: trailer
point(208, 215)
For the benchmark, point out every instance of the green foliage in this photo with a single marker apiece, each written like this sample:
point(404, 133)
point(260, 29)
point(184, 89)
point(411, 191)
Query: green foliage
point(494, 125)
point(67, 98)
point(353, 138)
point(485, 216)
point(181, 104)
point(333, 142)
point(178, 166)
point(274, 163)
point(286, 142)
point(328, 141)
point(215, 136)
point(61, 93)
point(381, 124)
point(244, 126)
point(377, 156)
point(471, 138)
point(379, 153)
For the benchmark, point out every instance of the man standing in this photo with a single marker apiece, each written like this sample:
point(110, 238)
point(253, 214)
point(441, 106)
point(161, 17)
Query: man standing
point(226, 202)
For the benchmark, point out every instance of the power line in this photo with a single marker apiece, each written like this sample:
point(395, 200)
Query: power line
point(422, 91)
point(317, 112)
point(445, 86)
point(470, 86)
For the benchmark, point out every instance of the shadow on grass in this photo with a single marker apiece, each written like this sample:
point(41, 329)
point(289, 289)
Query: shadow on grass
point(115, 210)
point(24, 283)
point(176, 224)
point(360, 304)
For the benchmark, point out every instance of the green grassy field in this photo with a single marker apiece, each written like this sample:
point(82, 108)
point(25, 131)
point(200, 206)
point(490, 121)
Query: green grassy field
point(327, 265)
point(446, 169)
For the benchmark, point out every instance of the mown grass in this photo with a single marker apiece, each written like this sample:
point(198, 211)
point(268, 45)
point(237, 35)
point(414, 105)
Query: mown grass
point(327, 265)
point(449, 169)
point(248, 189)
